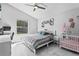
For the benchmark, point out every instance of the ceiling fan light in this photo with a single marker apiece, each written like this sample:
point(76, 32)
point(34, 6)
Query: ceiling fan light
point(35, 7)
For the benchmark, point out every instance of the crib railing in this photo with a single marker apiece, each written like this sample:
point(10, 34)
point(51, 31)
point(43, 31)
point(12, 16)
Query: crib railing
point(70, 42)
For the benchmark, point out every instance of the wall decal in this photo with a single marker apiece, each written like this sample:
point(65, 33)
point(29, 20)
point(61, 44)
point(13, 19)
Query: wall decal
point(50, 22)
point(68, 27)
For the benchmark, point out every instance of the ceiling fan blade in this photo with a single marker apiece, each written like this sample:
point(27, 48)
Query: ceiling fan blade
point(42, 4)
point(29, 5)
point(40, 7)
point(34, 9)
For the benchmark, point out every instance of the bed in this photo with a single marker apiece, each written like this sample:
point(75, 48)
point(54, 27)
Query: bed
point(38, 40)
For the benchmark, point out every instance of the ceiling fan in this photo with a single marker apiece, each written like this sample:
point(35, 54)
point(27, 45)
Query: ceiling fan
point(37, 5)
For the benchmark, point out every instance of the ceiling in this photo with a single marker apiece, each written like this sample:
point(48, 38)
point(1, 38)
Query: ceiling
point(52, 9)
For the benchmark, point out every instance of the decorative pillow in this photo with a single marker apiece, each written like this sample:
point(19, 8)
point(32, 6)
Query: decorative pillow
point(41, 32)
point(45, 33)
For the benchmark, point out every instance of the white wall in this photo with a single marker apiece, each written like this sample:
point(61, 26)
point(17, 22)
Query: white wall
point(73, 13)
point(60, 12)
point(55, 10)
point(10, 15)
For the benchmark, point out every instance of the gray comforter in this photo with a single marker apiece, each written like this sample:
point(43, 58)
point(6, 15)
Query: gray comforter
point(35, 40)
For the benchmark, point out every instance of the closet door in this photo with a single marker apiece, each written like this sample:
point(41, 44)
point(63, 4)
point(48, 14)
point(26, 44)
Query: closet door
point(0, 10)
point(0, 17)
point(1, 30)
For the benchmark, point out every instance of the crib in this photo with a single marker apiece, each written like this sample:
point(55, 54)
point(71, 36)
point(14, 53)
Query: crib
point(70, 42)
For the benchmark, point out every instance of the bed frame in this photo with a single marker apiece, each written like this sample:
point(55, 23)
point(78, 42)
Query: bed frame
point(34, 49)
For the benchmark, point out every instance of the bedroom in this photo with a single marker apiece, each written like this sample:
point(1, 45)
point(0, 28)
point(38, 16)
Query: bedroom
point(36, 21)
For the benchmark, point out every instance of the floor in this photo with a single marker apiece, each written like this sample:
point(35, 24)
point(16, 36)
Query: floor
point(18, 49)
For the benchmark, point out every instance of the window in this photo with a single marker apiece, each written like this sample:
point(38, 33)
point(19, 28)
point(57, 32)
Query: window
point(22, 27)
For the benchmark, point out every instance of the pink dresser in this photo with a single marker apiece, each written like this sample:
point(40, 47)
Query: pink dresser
point(70, 42)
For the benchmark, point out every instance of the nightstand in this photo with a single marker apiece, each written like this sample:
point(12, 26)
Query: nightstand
point(56, 40)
